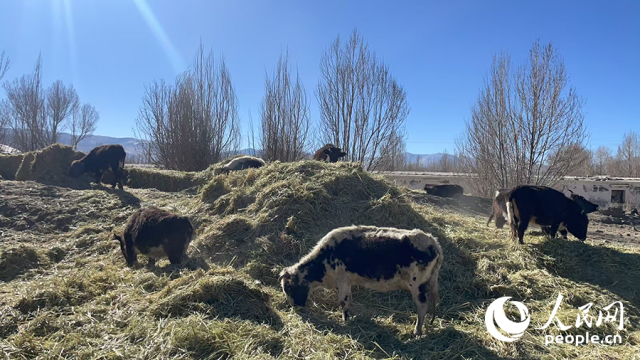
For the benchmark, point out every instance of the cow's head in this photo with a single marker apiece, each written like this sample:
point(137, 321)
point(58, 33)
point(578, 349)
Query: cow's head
point(129, 255)
point(334, 153)
point(577, 225)
point(77, 169)
point(294, 287)
point(585, 204)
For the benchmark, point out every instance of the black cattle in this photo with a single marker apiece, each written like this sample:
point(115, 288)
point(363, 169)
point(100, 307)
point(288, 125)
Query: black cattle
point(446, 190)
point(100, 159)
point(585, 204)
point(329, 151)
point(546, 207)
point(156, 233)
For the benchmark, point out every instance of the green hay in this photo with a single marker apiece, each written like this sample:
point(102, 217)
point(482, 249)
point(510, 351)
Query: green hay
point(9, 165)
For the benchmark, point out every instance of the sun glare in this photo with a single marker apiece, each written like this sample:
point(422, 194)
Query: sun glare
point(161, 36)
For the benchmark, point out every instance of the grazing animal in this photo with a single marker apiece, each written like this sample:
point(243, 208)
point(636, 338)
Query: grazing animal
point(446, 190)
point(156, 233)
point(546, 207)
point(100, 159)
point(329, 151)
point(241, 163)
point(379, 258)
point(499, 208)
point(585, 204)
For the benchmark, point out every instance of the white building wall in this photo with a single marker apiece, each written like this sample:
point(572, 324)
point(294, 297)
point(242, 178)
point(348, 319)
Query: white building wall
point(596, 190)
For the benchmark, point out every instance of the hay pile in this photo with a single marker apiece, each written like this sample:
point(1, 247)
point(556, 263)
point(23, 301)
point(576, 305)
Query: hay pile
point(49, 165)
point(9, 165)
point(79, 300)
point(277, 212)
point(163, 180)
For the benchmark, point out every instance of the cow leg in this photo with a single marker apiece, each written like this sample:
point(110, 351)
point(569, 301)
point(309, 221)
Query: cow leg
point(152, 262)
point(175, 257)
point(98, 177)
point(563, 233)
point(420, 295)
point(553, 229)
point(115, 168)
point(522, 227)
point(344, 299)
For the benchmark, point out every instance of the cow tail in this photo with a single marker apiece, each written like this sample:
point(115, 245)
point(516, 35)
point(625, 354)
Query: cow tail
point(434, 299)
point(490, 217)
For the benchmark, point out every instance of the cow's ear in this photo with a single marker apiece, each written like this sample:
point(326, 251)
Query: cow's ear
point(327, 151)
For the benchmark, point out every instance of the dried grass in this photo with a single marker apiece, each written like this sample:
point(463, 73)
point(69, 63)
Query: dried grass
point(75, 298)
point(9, 165)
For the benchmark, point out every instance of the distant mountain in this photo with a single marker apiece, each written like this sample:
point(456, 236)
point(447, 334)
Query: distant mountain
point(131, 147)
point(130, 144)
point(427, 159)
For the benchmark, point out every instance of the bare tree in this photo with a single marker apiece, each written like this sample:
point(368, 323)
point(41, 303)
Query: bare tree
point(629, 155)
point(62, 103)
point(4, 106)
point(83, 123)
point(193, 123)
point(602, 160)
point(36, 116)
point(361, 104)
point(27, 111)
point(4, 64)
point(582, 163)
point(522, 123)
point(285, 115)
point(393, 153)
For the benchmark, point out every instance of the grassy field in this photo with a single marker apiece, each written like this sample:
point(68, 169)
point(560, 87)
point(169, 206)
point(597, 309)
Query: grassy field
point(65, 291)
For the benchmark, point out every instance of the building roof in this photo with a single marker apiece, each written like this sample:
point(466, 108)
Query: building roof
point(8, 150)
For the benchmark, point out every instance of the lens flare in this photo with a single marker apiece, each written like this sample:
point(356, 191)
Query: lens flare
point(161, 36)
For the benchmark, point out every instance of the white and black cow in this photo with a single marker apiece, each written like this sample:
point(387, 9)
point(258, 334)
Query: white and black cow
point(499, 208)
point(546, 207)
point(240, 163)
point(379, 258)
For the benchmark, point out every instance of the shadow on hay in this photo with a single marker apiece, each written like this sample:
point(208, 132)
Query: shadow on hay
point(126, 198)
point(218, 297)
point(608, 268)
point(384, 340)
point(192, 263)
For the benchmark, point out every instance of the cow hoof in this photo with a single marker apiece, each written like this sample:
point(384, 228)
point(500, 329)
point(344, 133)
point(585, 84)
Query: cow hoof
point(345, 316)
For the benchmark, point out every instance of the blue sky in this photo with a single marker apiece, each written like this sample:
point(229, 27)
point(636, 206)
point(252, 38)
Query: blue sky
point(439, 51)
